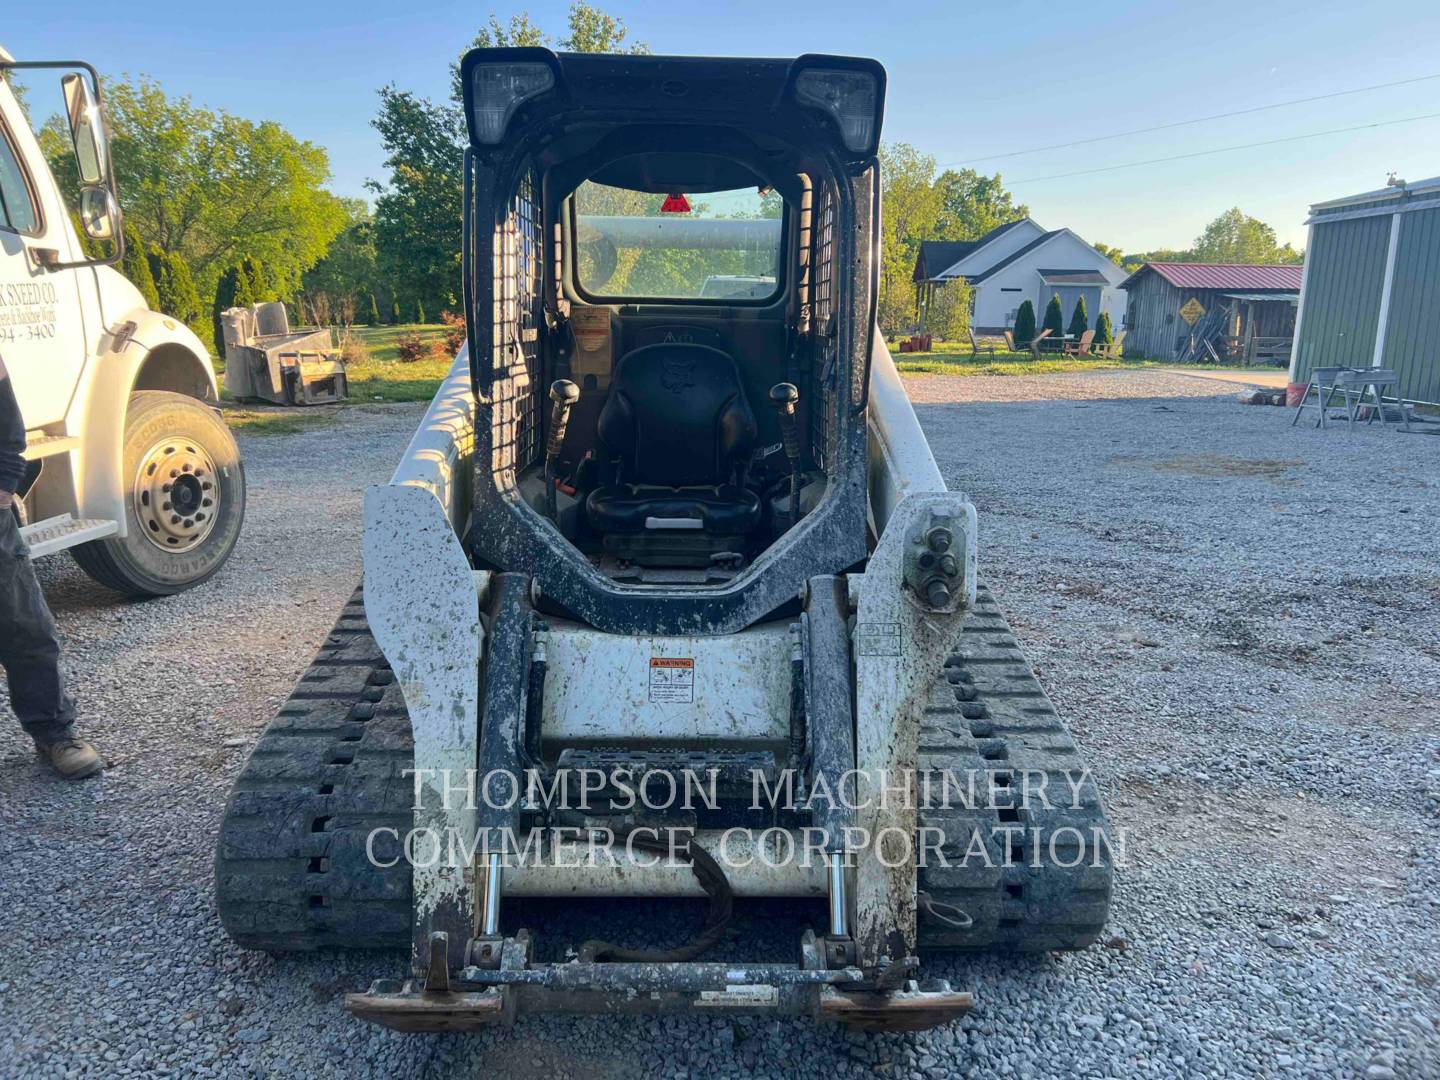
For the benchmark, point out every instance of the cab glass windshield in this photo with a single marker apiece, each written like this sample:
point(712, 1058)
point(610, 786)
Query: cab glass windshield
point(725, 247)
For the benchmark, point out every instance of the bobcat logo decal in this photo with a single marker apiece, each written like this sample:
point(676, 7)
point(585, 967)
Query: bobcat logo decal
point(678, 374)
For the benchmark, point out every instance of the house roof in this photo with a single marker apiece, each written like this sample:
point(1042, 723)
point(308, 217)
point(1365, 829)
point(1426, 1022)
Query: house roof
point(976, 279)
point(1223, 276)
point(937, 256)
point(1072, 277)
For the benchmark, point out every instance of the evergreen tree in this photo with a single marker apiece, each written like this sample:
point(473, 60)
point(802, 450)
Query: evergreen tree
point(1054, 317)
point(1104, 333)
point(257, 283)
point(395, 313)
point(135, 265)
point(419, 311)
point(1025, 323)
point(225, 292)
point(1079, 318)
point(176, 288)
point(374, 314)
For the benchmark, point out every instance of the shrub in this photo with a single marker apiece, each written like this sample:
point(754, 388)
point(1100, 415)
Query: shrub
point(352, 350)
point(1054, 317)
point(413, 347)
point(949, 314)
point(374, 311)
point(454, 332)
point(135, 265)
point(1079, 319)
point(420, 312)
point(395, 313)
point(1025, 323)
point(1104, 332)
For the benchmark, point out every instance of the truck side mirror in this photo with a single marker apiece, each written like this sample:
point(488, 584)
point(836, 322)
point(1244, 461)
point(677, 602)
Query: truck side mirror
point(87, 130)
point(99, 212)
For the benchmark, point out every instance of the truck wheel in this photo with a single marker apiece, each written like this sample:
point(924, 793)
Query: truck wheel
point(184, 499)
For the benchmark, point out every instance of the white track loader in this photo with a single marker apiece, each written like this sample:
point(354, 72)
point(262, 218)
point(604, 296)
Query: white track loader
point(667, 601)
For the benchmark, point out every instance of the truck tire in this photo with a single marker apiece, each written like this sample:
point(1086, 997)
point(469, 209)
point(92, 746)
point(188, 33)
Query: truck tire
point(184, 499)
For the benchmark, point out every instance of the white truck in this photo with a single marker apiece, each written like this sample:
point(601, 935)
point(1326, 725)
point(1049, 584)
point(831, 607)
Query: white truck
point(132, 469)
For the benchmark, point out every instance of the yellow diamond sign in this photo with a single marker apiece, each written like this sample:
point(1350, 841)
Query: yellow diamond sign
point(1192, 311)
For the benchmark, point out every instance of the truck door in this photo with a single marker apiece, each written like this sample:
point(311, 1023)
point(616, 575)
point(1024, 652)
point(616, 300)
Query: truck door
point(42, 332)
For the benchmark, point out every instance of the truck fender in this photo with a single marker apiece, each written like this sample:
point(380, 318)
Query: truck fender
point(160, 353)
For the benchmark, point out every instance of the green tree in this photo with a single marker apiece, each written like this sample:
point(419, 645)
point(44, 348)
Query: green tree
point(416, 216)
point(1054, 317)
point(373, 312)
point(1235, 237)
point(135, 265)
point(1114, 254)
point(213, 187)
point(349, 267)
point(1025, 323)
point(910, 206)
point(176, 289)
point(971, 205)
point(420, 311)
point(1104, 332)
point(395, 313)
point(1079, 318)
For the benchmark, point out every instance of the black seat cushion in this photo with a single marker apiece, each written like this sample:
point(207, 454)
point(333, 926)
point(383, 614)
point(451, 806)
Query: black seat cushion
point(677, 433)
point(724, 511)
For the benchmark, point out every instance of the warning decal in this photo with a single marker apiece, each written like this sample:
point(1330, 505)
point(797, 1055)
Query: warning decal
point(672, 680)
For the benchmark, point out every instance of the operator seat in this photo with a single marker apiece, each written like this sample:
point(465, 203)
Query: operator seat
point(676, 436)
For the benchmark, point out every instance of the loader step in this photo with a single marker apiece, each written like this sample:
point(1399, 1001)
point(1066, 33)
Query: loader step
point(63, 531)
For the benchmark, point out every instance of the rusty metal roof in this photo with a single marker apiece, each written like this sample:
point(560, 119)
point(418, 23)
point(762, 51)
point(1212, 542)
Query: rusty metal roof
point(1223, 276)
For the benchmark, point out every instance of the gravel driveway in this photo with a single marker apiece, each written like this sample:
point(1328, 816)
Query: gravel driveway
point(1240, 620)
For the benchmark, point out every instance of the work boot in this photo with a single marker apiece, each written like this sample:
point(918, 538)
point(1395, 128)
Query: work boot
point(74, 759)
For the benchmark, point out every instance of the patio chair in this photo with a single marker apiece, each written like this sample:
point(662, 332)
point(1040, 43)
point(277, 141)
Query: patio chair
point(1080, 346)
point(1111, 350)
point(1033, 344)
point(976, 345)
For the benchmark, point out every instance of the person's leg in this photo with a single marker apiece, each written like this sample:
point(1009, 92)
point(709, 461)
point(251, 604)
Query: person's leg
point(30, 654)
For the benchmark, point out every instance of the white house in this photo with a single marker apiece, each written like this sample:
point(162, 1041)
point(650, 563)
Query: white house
point(1021, 261)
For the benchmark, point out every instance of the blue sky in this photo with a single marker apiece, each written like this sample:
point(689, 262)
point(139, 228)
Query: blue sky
point(966, 81)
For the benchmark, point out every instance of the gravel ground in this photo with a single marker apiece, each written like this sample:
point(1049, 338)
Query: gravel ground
point(1241, 622)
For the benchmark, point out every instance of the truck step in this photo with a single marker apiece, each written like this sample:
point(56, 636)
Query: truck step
point(64, 531)
point(39, 445)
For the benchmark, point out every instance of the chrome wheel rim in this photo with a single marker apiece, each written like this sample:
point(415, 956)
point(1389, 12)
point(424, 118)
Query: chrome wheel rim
point(177, 495)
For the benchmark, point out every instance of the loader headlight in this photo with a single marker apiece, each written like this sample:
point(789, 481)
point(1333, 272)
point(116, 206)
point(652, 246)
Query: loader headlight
point(497, 90)
point(852, 98)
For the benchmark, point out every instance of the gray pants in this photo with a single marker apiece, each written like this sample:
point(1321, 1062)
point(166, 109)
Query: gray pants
point(29, 649)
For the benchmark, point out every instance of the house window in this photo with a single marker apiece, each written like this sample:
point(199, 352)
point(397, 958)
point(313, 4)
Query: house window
point(1010, 290)
point(1010, 317)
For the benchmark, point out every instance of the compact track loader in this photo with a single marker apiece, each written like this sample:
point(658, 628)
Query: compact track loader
point(667, 598)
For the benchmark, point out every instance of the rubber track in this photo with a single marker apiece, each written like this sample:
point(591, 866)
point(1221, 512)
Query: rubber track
point(989, 713)
point(291, 869)
point(292, 872)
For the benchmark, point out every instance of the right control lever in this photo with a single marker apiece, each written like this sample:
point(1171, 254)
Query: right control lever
point(563, 396)
point(784, 397)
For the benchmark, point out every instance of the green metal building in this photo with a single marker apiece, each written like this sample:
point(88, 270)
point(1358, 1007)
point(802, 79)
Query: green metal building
point(1371, 290)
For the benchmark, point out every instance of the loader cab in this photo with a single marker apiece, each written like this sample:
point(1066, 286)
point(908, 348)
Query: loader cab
point(670, 290)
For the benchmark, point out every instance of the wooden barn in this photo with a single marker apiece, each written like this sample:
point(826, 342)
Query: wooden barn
point(1221, 312)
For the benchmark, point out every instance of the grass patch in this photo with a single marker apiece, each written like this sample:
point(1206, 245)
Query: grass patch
point(277, 422)
point(383, 377)
point(954, 358)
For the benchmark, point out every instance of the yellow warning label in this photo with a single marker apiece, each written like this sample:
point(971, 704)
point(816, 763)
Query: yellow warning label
point(1192, 311)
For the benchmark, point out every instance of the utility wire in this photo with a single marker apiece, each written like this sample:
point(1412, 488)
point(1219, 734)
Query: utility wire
point(1224, 149)
point(1197, 120)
